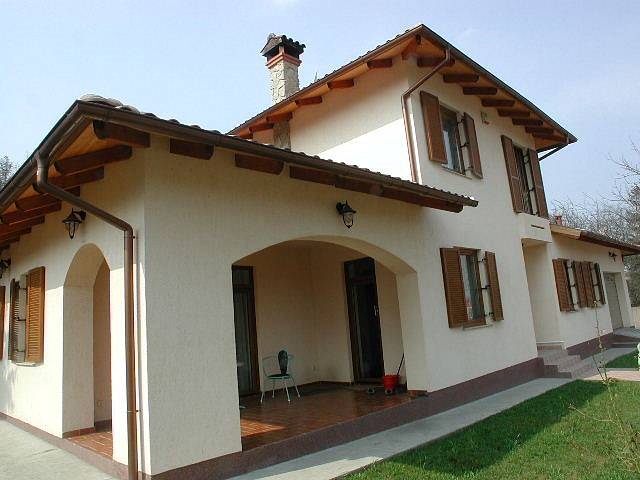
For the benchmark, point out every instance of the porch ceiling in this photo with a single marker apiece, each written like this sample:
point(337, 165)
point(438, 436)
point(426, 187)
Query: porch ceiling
point(95, 132)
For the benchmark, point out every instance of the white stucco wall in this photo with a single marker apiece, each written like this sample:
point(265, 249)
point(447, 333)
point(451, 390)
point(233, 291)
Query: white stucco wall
point(335, 128)
point(57, 395)
point(579, 326)
point(101, 346)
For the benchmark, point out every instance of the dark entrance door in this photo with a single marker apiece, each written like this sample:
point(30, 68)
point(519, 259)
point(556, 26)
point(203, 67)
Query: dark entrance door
point(244, 314)
point(364, 320)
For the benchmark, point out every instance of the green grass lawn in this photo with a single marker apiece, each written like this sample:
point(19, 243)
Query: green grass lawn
point(629, 360)
point(542, 438)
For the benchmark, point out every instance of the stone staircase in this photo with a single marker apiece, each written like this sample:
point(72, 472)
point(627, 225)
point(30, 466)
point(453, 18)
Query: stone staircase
point(559, 364)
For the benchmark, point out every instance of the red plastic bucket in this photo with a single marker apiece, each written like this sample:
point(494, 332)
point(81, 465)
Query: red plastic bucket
point(390, 383)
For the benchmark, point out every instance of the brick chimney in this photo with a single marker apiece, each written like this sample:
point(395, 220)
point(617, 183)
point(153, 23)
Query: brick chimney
point(283, 59)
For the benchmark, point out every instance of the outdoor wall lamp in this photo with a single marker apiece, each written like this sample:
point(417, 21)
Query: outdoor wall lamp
point(613, 255)
point(347, 213)
point(75, 218)
point(4, 264)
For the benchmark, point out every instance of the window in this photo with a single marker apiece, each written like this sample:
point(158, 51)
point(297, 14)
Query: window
point(463, 273)
point(26, 319)
point(452, 142)
point(442, 128)
point(472, 286)
point(526, 181)
point(578, 284)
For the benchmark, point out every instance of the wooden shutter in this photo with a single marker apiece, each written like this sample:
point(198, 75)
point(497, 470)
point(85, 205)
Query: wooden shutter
point(580, 286)
point(588, 284)
point(35, 316)
point(513, 174)
point(433, 127)
point(453, 287)
point(472, 144)
point(2, 295)
point(494, 285)
point(562, 285)
point(538, 186)
point(596, 268)
point(14, 300)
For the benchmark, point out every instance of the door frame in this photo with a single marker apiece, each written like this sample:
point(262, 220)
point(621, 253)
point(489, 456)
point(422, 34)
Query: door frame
point(353, 329)
point(253, 331)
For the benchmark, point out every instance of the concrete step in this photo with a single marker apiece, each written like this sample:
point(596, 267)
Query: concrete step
point(551, 354)
point(567, 363)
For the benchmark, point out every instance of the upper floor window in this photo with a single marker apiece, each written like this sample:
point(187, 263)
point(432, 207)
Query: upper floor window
point(452, 144)
point(525, 179)
point(443, 131)
point(528, 190)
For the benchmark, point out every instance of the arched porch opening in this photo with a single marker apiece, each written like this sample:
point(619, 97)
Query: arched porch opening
point(349, 313)
point(87, 404)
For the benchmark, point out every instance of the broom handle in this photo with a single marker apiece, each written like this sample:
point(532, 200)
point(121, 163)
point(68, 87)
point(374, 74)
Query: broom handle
point(400, 366)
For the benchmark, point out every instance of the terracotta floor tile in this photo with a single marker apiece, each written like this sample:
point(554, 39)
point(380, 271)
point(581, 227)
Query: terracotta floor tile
point(276, 419)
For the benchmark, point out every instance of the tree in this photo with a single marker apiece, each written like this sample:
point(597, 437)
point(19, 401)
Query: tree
point(617, 216)
point(7, 169)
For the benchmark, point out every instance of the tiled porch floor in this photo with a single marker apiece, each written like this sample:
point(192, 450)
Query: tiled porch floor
point(276, 419)
point(101, 441)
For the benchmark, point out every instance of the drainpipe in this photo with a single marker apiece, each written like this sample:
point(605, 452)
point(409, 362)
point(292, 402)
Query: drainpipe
point(405, 109)
point(45, 187)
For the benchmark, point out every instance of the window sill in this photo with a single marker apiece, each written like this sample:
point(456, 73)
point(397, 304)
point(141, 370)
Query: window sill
point(474, 327)
point(24, 364)
point(455, 172)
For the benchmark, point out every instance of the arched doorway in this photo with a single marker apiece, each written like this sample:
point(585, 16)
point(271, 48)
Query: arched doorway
point(87, 343)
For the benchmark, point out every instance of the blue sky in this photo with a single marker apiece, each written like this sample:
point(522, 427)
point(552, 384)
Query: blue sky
point(198, 62)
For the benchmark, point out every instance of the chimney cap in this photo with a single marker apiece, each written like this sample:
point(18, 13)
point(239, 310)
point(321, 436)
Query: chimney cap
point(289, 45)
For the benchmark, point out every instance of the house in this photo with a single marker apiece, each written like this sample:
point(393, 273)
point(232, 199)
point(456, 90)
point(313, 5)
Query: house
point(148, 265)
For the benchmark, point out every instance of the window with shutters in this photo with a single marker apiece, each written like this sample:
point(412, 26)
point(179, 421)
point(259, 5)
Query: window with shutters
point(446, 130)
point(26, 318)
point(526, 180)
point(463, 275)
point(452, 144)
point(472, 286)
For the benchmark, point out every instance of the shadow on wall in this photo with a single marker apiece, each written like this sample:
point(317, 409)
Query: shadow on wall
point(8, 400)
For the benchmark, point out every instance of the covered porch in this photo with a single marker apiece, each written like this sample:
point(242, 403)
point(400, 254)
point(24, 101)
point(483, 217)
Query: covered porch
point(333, 309)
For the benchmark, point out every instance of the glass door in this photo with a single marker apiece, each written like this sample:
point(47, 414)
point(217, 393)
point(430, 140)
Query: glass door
point(245, 328)
point(364, 320)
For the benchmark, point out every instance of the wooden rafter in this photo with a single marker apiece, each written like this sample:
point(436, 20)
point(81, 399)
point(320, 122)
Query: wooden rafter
point(543, 130)
point(91, 160)
point(497, 102)
point(555, 138)
point(77, 179)
point(372, 188)
point(8, 238)
point(309, 101)
point(12, 230)
point(480, 90)
point(37, 201)
point(348, 83)
point(527, 121)
point(120, 133)
point(380, 63)
point(432, 61)
point(460, 77)
point(412, 48)
point(20, 216)
point(260, 127)
point(261, 164)
point(513, 113)
point(190, 149)
point(280, 117)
